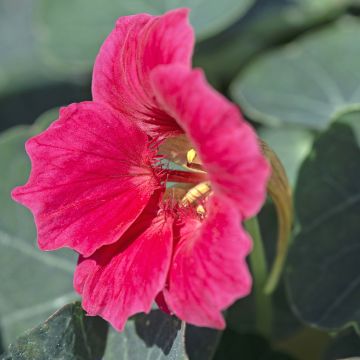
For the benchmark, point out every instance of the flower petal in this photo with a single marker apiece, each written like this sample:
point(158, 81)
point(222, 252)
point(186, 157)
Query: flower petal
point(91, 177)
point(137, 45)
point(122, 279)
point(161, 303)
point(209, 271)
point(227, 146)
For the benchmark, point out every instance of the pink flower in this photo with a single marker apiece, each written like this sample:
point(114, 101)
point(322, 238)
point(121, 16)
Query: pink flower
point(99, 179)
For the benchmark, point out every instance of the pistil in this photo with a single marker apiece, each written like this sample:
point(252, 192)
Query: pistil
point(186, 177)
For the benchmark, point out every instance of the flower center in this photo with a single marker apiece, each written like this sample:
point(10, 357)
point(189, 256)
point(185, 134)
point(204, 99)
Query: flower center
point(187, 182)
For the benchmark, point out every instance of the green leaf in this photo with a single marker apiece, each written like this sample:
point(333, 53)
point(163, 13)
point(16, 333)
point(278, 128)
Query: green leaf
point(201, 343)
point(5, 357)
point(20, 64)
point(247, 346)
point(345, 345)
point(323, 267)
point(159, 336)
point(307, 82)
point(264, 25)
point(68, 334)
point(291, 144)
point(73, 30)
point(153, 336)
point(208, 17)
point(33, 283)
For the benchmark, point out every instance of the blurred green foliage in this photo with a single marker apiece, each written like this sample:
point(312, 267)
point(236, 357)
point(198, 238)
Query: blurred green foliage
point(308, 82)
point(73, 30)
point(323, 275)
point(291, 65)
point(33, 284)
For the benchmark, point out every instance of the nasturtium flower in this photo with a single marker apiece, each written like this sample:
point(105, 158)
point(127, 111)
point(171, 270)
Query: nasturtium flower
point(103, 181)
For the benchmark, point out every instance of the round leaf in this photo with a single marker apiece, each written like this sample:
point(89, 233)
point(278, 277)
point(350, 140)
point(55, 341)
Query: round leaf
point(264, 25)
point(68, 334)
point(308, 82)
point(73, 30)
point(153, 336)
point(323, 266)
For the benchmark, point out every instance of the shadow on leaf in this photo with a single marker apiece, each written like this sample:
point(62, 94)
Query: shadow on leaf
point(158, 328)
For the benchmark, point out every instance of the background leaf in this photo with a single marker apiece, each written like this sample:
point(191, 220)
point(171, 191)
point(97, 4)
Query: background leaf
point(266, 24)
point(345, 345)
point(155, 336)
point(32, 283)
point(68, 334)
point(323, 274)
point(73, 30)
point(20, 65)
point(200, 342)
point(308, 82)
point(247, 346)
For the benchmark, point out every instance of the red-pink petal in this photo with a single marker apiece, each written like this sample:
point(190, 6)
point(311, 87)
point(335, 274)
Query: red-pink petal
point(209, 271)
point(226, 144)
point(161, 303)
point(91, 177)
point(137, 45)
point(122, 279)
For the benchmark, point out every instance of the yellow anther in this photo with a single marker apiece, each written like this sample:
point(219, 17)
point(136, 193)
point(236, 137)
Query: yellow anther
point(196, 193)
point(200, 210)
point(190, 156)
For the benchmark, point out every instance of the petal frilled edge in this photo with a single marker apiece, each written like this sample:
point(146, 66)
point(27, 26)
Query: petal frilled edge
point(137, 45)
point(91, 177)
point(208, 271)
point(226, 144)
point(123, 279)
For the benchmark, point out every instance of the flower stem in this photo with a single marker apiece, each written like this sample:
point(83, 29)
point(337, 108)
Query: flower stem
point(259, 269)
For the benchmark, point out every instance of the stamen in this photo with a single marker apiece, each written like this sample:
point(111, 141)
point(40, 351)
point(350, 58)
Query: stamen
point(192, 162)
point(200, 210)
point(190, 156)
point(196, 193)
